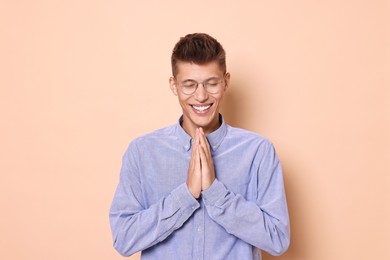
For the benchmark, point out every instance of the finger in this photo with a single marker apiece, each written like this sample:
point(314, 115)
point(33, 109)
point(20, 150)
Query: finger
point(204, 139)
point(193, 159)
point(197, 159)
point(205, 144)
point(195, 141)
point(198, 136)
point(194, 178)
point(202, 156)
point(208, 175)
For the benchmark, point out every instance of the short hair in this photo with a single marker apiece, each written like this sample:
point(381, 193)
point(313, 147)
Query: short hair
point(198, 48)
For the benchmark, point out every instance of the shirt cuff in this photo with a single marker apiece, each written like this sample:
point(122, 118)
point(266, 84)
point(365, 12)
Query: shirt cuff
point(184, 197)
point(214, 193)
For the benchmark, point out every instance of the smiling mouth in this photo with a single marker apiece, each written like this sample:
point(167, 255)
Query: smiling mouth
point(201, 108)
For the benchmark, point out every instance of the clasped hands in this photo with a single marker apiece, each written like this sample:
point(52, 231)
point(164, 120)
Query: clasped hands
point(201, 172)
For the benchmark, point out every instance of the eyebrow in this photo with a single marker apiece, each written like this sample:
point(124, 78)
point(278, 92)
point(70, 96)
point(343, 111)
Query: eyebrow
point(187, 80)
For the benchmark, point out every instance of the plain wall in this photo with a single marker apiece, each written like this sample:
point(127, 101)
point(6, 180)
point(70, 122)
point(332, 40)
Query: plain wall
point(80, 79)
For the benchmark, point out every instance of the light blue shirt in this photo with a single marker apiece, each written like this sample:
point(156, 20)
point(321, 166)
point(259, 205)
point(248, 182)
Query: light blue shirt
point(243, 212)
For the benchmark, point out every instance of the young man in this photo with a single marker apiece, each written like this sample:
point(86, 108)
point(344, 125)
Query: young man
point(200, 189)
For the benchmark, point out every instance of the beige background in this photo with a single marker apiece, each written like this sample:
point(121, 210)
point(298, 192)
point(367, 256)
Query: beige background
point(80, 79)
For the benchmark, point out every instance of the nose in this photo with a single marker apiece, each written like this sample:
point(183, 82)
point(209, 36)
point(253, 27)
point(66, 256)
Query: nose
point(201, 94)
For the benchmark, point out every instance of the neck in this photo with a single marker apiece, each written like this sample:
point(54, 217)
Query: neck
point(191, 128)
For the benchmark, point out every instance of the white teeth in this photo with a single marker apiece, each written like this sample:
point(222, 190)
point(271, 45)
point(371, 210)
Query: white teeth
point(202, 108)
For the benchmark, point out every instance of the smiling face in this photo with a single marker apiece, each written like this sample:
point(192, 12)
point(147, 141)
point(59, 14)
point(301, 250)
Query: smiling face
point(200, 109)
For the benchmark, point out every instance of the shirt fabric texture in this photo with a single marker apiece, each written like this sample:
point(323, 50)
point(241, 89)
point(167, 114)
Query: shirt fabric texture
point(243, 212)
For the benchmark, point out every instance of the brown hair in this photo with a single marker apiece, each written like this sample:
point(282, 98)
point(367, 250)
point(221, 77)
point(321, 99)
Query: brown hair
point(198, 48)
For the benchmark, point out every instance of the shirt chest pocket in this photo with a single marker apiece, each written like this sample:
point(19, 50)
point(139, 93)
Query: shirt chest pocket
point(237, 183)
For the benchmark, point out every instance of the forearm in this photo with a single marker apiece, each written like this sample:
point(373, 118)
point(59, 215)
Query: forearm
point(265, 228)
point(135, 229)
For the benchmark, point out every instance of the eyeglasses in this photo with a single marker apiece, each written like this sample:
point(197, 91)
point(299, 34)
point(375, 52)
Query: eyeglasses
point(212, 86)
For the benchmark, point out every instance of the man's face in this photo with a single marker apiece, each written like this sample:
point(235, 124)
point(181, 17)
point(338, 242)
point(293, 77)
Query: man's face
point(200, 109)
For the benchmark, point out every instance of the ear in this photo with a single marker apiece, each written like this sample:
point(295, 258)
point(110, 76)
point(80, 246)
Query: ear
point(172, 85)
point(227, 80)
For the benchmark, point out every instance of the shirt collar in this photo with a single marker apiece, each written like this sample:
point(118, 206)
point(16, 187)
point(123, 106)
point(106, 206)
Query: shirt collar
point(215, 138)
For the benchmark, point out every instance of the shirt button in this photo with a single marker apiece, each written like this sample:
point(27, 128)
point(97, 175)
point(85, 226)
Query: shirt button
point(193, 207)
point(199, 229)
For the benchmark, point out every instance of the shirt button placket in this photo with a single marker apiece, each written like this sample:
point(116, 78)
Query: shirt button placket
point(198, 246)
point(200, 232)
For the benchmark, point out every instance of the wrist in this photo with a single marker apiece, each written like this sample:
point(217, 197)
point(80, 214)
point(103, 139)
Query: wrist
point(194, 192)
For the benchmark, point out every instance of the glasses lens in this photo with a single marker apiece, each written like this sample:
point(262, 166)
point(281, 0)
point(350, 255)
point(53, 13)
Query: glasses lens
point(189, 87)
point(213, 86)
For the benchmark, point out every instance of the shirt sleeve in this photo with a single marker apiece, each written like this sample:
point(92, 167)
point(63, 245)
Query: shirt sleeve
point(135, 227)
point(263, 223)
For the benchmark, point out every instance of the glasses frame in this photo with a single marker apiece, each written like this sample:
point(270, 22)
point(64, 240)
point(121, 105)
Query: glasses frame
point(197, 85)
